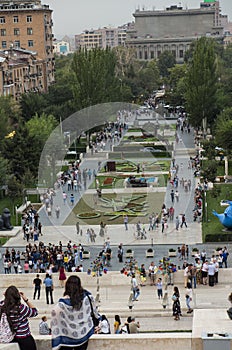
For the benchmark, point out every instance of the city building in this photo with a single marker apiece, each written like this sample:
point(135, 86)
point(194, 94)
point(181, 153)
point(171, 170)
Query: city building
point(21, 72)
point(61, 47)
point(103, 37)
point(27, 24)
point(174, 29)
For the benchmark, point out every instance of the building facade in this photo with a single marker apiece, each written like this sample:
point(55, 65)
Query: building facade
point(173, 30)
point(27, 24)
point(61, 47)
point(103, 37)
point(21, 72)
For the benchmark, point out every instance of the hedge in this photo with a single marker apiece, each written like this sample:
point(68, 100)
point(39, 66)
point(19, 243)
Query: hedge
point(220, 237)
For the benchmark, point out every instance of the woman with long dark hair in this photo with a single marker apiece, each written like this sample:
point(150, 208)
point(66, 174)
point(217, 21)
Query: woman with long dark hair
point(17, 316)
point(72, 319)
point(176, 304)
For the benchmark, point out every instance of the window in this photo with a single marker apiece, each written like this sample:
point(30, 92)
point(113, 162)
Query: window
point(16, 31)
point(15, 19)
point(30, 43)
point(29, 31)
point(152, 54)
point(4, 44)
point(158, 53)
point(181, 53)
point(2, 20)
point(174, 53)
point(29, 19)
point(140, 55)
point(145, 55)
point(3, 32)
point(17, 43)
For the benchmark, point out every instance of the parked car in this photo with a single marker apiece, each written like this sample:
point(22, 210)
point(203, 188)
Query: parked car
point(151, 149)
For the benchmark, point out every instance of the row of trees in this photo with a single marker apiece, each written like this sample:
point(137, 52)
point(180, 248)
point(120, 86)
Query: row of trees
point(202, 84)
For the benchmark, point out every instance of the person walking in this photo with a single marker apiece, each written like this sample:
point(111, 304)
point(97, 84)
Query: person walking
point(172, 194)
point(135, 288)
point(37, 283)
point(120, 253)
point(78, 305)
point(17, 316)
point(62, 276)
point(48, 288)
point(125, 220)
point(57, 211)
point(183, 221)
point(177, 223)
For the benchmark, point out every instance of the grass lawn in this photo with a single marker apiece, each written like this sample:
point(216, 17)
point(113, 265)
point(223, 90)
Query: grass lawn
point(213, 226)
point(151, 202)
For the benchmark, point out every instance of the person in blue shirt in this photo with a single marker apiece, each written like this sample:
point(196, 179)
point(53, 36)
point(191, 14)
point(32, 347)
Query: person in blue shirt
point(48, 288)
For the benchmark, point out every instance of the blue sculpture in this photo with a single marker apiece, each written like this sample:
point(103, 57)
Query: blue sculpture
point(226, 217)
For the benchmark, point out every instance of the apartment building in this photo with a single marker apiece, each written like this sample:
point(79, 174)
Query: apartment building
point(103, 37)
point(27, 24)
point(173, 29)
point(21, 72)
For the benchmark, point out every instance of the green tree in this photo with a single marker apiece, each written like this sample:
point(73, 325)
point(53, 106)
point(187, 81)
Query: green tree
point(10, 117)
point(201, 83)
point(165, 62)
point(31, 104)
point(94, 77)
point(40, 127)
point(223, 130)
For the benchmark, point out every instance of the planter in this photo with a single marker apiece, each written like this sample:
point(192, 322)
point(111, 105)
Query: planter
point(86, 255)
point(172, 253)
point(129, 254)
point(150, 253)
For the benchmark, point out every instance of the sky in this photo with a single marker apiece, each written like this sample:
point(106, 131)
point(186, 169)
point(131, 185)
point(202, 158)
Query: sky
point(72, 17)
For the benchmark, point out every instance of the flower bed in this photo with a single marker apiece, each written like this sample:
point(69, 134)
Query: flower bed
point(108, 181)
point(91, 215)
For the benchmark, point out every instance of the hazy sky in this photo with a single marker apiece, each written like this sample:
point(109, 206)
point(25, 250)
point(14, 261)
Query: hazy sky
point(74, 16)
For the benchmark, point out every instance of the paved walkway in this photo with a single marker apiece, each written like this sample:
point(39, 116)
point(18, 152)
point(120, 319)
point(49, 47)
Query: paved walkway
point(54, 231)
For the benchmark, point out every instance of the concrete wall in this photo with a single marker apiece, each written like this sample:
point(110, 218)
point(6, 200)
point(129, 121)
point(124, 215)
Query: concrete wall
point(174, 23)
point(109, 279)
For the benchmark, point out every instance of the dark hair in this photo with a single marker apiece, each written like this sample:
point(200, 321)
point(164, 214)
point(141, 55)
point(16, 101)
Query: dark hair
point(11, 304)
point(117, 318)
point(230, 297)
point(75, 291)
point(176, 291)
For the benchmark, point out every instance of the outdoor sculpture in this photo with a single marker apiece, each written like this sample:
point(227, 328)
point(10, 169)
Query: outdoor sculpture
point(226, 217)
point(5, 220)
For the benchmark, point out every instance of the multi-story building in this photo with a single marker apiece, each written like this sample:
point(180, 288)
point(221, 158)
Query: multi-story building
point(61, 47)
point(27, 24)
point(103, 37)
point(20, 72)
point(173, 29)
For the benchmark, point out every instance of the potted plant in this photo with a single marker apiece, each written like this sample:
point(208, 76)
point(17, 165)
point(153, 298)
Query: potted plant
point(150, 253)
point(86, 254)
point(172, 252)
point(129, 253)
point(195, 251)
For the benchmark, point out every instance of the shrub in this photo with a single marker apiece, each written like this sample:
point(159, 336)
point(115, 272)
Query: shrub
point(172, 250)
point(129, 251)
point(150, 250)
point(221, 237)
point(195, 249)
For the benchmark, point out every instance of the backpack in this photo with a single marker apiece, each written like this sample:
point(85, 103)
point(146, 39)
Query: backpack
point(6, 334)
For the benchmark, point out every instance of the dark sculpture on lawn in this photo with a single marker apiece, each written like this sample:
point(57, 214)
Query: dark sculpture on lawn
point(226, 217)
point(5, 220)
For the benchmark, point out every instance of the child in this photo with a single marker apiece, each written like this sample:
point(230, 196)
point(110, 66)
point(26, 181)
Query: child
point(159, 286)
point(188, 297)
point(43, 327)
